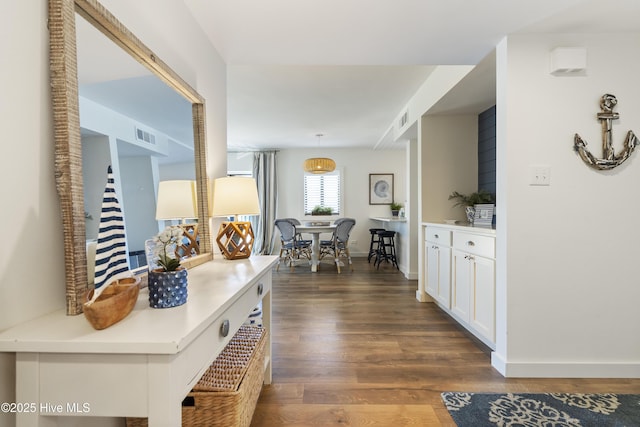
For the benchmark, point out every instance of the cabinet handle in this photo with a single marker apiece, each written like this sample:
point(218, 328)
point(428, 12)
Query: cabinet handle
point(471, 243)
point(224, 328)
point(434, 247)
point(436, 236)
point(260, 289)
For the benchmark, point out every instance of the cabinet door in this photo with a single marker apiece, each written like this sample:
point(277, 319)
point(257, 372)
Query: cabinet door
point(483, 298)
point(460, 284)
point(443, 294)
point(431, 266)
point(438, 264)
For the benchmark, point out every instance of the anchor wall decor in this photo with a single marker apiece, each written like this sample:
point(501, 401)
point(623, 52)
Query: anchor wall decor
point(610, 160)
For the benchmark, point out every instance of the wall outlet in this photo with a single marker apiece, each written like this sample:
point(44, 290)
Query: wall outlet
point(540, 175)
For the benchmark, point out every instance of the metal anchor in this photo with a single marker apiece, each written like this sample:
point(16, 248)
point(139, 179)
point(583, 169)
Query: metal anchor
point(610, 160)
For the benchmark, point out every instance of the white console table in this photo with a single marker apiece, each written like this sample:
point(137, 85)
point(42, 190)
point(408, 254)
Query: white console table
point(144, 365)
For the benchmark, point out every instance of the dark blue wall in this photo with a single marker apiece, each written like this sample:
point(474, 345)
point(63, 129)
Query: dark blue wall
point(487, 150)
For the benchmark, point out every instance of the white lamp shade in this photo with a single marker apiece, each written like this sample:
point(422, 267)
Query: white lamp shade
point(177, 200)
point(235, 195)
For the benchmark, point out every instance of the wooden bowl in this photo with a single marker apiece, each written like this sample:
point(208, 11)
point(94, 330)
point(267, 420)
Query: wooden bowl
point(113, 304)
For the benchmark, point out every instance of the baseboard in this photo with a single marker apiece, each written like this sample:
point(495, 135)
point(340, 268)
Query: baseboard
point(564, 369)
point(410, 275)
point(499, 363)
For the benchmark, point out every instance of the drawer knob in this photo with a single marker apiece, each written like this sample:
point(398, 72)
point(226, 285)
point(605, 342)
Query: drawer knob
point(436, 236)
point(471, 243)
point(224, 328)
point(260, 289)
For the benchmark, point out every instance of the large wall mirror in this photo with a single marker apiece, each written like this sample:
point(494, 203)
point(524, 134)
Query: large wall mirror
point(116, 103)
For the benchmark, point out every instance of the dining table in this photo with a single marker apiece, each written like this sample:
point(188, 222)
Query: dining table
point(315, 231)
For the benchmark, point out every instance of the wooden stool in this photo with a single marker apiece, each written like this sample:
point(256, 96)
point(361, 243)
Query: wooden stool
point(375, 239)
point(386, 248)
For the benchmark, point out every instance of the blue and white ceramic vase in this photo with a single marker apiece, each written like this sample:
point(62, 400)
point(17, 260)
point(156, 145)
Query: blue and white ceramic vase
point(167, 288)
point(471, 213)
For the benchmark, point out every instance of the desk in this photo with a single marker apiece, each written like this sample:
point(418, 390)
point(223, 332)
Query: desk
point(315, 231)
point(144, 365)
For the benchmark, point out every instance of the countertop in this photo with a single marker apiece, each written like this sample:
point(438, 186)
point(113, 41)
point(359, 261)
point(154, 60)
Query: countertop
point(391, 219)
point(463, 226)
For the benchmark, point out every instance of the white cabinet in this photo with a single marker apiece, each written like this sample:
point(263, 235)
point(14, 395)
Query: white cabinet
point(460, 276)
point(483, 298)
point(438, 264)
point(473, 283)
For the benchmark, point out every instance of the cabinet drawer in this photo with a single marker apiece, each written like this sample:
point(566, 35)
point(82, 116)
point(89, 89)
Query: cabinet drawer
point(484, 246)
point(197, 357)
point(438, 235)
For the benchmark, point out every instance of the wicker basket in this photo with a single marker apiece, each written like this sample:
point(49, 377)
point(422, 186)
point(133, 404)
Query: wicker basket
point(227, 393)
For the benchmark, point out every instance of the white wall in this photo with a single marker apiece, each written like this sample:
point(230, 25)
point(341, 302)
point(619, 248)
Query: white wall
point(440, 81)
point(356, 165)
point(138, 200)
point(449, 163)
point(96, 158)
point(32, 281)
point(240, 162)
point(567, 253)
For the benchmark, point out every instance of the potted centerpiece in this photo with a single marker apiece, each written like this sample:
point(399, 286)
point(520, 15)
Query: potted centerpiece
point(167, 278)
point(468, 201)
point(395, 208)
point(322, 210)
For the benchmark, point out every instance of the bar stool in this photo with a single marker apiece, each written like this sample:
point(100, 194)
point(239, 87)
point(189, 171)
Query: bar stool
point(373, 246)
point(386, 248)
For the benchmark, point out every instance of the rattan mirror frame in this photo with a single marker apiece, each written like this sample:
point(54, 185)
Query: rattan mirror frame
point(66, 120)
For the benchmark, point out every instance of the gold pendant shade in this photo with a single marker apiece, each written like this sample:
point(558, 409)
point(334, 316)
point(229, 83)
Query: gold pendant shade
point(319, 165)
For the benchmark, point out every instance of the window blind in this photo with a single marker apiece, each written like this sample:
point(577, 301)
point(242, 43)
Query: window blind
point(322, 190)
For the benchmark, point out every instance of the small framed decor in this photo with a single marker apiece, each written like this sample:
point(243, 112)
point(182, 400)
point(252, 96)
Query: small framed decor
point(380, 188)
point(484, 215)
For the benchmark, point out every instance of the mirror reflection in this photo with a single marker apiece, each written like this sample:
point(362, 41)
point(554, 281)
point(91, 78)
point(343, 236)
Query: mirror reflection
point(133, 121)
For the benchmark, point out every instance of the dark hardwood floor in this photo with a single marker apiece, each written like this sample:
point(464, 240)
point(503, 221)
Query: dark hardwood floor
point(357, 349)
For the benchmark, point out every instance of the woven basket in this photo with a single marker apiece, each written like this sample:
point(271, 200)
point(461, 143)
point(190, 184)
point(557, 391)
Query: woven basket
point(227, 393)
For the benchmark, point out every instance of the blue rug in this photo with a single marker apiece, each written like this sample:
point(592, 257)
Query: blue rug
point(543, 410)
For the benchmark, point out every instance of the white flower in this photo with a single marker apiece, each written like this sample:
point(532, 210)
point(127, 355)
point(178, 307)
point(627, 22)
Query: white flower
point(165, 246)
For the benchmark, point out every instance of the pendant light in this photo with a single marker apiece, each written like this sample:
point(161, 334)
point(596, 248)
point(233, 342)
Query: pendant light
point(319, 165)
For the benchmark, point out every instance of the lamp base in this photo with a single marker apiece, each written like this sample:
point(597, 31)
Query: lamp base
point(190, 246)
point(235, 239)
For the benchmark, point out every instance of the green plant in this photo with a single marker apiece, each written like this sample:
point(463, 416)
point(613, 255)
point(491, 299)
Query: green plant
point(165, 247)
point(395, 206)
point(479, 197)
point(322, 210)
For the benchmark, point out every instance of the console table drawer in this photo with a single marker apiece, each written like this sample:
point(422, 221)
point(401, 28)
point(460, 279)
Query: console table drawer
point(438, 235)
point(484, 246)
point(195, 359)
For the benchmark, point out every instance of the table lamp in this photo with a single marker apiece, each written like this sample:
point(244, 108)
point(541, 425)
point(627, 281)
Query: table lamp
point(178, 200)
point(233, 196)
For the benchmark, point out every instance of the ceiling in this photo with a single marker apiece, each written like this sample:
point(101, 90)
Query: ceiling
point(347, 69)
point(297, 69)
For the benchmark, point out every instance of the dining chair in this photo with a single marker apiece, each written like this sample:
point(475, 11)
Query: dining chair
point(338, 246)
point(290, 246)
point(296, 222)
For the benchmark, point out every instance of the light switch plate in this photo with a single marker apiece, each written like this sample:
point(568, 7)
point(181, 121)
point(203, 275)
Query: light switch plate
point(540, 175)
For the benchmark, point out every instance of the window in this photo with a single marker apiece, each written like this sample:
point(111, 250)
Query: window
point(322, 190)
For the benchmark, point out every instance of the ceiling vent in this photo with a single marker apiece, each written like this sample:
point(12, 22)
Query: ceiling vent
point(403, 120)
point(144, 136)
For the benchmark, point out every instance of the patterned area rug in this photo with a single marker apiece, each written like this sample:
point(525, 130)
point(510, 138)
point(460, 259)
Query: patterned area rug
point(548, 409)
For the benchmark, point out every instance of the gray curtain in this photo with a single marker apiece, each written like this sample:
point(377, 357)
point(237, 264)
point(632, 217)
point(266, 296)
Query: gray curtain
point(264, 172)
